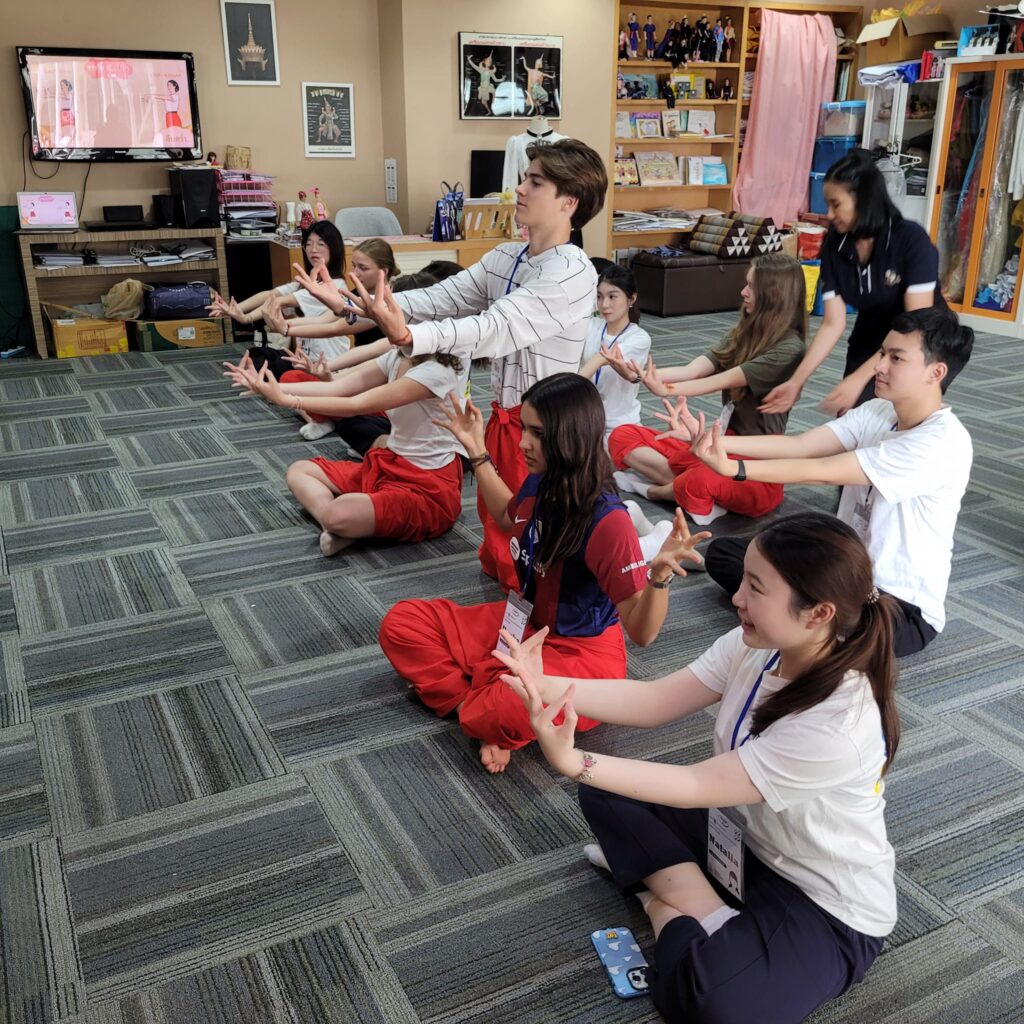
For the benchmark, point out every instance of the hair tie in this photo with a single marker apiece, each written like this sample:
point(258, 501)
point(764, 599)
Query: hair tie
point(873, 596)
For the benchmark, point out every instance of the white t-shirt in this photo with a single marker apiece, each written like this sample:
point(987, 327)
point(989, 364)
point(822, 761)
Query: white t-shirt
point(329, 348)
point(527, 314)
point(621, 404)
point(413, 434)
point(918, 478)
point(822, 824)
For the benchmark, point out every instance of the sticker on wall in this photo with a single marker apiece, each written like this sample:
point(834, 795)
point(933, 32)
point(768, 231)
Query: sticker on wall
point(509, 76)
point(328, 119)
point(250, 42)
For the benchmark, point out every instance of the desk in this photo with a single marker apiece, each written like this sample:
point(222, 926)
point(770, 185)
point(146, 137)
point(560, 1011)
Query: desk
point(271, 264)
point(414, 252)
point(68, 285)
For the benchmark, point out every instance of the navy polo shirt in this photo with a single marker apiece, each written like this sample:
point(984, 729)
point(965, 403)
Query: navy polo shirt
point(903, 260)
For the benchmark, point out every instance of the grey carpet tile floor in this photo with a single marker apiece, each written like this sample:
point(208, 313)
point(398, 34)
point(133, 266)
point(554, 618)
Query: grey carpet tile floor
point(218, 803)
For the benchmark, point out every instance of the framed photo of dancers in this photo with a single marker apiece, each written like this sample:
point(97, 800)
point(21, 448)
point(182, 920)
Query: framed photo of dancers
point(250, 42)
point(507, 76)
point(328, 121)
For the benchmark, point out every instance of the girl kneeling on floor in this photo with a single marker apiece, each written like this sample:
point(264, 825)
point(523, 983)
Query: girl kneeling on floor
point(578, 560)
point(409, 490)
point(766, 910)
point(761, 351)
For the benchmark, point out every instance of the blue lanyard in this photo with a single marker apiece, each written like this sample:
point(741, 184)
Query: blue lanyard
point(770, 663)
point(515, 268)
point(604, 332)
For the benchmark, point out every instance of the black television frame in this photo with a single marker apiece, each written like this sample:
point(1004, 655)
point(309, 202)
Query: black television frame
point(123, 155)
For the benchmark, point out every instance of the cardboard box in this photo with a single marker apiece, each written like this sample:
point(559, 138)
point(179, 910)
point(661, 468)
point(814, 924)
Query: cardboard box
point(902, 39)
point(164, 335)
point(78, 335)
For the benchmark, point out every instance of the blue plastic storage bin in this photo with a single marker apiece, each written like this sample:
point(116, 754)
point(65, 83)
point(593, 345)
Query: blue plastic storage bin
point(828, 150)
point(816, 203)
point(840, 119)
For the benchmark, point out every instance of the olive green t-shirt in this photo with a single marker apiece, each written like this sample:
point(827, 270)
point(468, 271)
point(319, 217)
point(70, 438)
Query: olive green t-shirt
point(764, 372)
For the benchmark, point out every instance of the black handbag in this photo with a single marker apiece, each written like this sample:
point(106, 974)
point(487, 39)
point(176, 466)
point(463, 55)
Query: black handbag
point(187, 301)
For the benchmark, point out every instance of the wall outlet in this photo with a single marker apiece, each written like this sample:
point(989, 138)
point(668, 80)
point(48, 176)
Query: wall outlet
point(391, 180)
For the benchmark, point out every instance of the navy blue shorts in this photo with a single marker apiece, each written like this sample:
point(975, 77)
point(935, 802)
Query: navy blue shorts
point(775, 963)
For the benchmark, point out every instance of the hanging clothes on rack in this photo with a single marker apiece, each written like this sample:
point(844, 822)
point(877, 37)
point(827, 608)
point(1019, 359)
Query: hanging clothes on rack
point(995, 247)
point(975, 115)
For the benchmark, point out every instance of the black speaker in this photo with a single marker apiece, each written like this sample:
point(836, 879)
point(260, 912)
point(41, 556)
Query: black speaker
point(195, 197)
point(163, 211)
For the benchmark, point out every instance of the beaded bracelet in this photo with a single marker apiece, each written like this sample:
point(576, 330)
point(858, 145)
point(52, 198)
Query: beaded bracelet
point(588, 762)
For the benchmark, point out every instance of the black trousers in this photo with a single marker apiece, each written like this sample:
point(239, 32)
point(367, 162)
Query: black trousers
point(775, 963)
point(724, 563)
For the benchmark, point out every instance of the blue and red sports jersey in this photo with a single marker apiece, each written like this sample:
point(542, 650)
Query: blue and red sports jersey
point(577, 596)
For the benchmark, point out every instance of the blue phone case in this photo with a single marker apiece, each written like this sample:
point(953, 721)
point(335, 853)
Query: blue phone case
point(622, 959)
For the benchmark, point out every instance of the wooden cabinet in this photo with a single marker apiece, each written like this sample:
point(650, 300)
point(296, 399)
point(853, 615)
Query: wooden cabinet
point(68, 285)
point(973, 216)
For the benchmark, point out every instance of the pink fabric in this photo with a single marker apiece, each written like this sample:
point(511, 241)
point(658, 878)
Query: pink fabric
point(796, 70)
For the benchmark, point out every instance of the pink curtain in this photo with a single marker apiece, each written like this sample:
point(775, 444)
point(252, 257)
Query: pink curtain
point(796, 67)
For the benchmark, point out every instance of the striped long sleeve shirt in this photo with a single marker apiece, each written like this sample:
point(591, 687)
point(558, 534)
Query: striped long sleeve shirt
point(528, 315)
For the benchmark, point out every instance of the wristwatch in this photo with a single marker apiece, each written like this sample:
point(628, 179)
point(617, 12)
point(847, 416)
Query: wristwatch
point(741, 473)
point(663, 585)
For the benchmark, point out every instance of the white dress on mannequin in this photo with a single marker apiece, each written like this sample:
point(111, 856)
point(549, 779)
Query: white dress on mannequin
point(516, 162)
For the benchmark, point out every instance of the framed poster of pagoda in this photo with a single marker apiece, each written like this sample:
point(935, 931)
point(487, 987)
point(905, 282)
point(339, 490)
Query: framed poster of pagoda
point(250, 42)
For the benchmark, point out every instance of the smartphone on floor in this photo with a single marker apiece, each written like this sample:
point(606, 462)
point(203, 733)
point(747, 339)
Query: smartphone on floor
point(623, 961)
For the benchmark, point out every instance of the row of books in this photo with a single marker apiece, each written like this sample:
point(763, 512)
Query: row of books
point(661, 168)
point(656, 124)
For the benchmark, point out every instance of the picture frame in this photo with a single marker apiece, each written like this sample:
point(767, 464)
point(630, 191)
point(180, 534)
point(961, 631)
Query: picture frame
point(328, 119)
point(508, 76)
point(640, 86)
point(249, 28)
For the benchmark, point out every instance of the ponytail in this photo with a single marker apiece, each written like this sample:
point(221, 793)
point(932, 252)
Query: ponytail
point(869, 650)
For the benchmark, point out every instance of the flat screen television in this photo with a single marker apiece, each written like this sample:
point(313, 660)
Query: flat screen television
point(110, 104)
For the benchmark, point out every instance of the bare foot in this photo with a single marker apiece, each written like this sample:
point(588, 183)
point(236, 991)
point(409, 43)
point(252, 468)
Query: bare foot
point(493, 758)
point(331, 544)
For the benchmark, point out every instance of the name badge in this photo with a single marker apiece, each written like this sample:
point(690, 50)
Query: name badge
point(517, 615)
point(725, 850)
point(862, 519)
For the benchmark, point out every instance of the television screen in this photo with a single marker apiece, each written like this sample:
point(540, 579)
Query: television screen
point(110, 104)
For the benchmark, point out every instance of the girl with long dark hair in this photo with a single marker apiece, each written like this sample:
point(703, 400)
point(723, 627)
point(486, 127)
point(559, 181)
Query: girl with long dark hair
point(873, 260)
point(581, 574)
point(762, 350)
point(765, 870)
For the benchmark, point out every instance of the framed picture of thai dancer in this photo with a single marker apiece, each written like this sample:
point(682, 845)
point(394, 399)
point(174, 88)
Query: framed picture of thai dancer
point(250, 42)
point(329, 126)
point(506, 76)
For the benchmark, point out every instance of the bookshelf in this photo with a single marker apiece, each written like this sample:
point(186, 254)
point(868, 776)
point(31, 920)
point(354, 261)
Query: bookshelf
point(634, 198)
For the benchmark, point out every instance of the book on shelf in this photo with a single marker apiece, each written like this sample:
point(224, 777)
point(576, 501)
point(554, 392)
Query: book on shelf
point(715, 173)
point(626, 172)
point(658, 168)
point(700, 122)
point(671, 120)
point(748, 85)
point(696, 171)
point(623, 125)
point(646, 124)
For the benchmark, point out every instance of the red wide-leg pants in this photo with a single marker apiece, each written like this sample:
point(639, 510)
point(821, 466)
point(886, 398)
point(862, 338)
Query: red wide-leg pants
point(444, 650)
